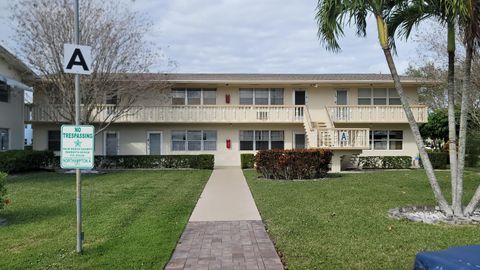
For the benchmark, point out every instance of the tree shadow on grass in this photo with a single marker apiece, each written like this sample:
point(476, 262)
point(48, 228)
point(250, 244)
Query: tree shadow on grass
point(31, 215)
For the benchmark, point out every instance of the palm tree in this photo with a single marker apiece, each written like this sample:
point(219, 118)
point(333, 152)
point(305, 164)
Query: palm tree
point(446, 12)
point(470, 25)
point(333, 15)
point(466, 13)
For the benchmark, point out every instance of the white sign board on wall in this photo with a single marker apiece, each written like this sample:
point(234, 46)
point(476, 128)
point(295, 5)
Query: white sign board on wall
point(77, 147)
point(77, 59)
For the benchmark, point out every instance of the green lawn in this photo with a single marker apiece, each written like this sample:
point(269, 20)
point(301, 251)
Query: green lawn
point(132, 219)
point(342, 223)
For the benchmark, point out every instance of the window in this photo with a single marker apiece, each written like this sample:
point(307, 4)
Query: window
point(194, 96)
point(395, 138)
point(386, 140)
point(246, 96)
point(111, 99)
point(178, 96)
point(246, 140)
point(261, 96)
point(276, 96)
point(4, 139)
point(393, 97)
point(209, 140)
point(378, 96)
point(194, 140)
point(209, 96)
point(54, 140)
point(380, 139)
point(276, 138)
point(4, 92)
point(364, 96)
point(261, 139)
point(179, 140)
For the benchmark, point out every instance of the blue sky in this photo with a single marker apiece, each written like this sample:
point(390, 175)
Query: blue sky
point(254, 36)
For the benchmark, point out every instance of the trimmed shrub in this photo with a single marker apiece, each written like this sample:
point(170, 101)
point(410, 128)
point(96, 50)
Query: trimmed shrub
point(293, 164)
point(15, 161)
point(439, 160)
point(247, 161)
point(3, 190)
point(385, 162)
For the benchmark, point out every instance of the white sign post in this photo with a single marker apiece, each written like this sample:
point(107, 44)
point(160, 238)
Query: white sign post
point(77, 59)
point(77, 147)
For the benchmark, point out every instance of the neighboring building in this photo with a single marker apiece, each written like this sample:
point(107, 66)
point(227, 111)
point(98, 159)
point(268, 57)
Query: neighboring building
point(230, 114)
point(14, 77)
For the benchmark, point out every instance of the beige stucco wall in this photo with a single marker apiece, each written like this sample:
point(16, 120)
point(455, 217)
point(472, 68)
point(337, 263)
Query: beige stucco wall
point(133, 138)
point(11, 113)
point(409, 145)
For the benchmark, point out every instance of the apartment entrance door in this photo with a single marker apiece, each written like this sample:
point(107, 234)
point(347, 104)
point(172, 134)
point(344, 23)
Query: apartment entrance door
point(154, 143)
point(111, 143)
point(299, 98)
point(299, 139)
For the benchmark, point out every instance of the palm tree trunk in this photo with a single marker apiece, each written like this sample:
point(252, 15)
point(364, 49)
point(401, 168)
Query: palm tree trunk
point(452, 135)
point(442, 202)
point(463, 132)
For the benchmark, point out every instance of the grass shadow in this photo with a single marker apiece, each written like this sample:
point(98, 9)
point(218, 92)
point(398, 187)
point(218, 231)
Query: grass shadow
point(30, 215)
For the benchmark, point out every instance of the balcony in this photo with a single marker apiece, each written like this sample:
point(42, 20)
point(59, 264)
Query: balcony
point(375, 114)
point(344, 138)
point(182, 114)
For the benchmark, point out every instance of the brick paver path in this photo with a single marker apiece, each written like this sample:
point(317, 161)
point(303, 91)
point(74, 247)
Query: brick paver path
point(225, 230)
point(225, 245)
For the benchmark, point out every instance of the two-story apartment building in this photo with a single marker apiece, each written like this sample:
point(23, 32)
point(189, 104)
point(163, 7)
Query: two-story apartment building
point(14, 75)
point(230, 114)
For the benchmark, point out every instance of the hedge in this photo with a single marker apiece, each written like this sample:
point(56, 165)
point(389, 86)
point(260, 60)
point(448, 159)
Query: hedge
point(293, 164)
point(439, 160)
point(15, 161)
point(3, 190)
point(385, 162)
point(153, 162)
point(247, 161)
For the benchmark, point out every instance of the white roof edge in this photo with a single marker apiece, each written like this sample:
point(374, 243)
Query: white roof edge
point(293, 81)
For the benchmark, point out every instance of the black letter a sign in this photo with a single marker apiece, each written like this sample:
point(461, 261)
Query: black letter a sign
point(77, 59)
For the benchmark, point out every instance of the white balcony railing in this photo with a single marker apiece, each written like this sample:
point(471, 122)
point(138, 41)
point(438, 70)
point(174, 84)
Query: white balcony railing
point(375, 114)
point(344, 138)
point(184, 114)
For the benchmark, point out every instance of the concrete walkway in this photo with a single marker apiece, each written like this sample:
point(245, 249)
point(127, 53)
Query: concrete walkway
point(226, 197)
point(225, 230)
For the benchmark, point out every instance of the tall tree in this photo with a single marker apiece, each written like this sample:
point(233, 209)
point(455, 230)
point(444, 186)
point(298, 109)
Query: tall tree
point(470, 25)
point(446, 12)
point(333, 15)
point(449, 13)
point(117, 37)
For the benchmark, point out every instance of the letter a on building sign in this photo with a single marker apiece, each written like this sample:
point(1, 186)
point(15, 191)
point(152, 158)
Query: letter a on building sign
point(343, 136)
point(77, 59)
